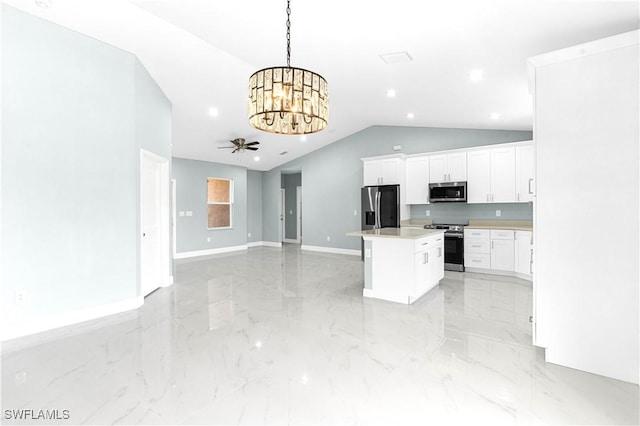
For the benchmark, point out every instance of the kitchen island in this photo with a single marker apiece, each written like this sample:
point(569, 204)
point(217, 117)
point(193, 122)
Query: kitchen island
point(401, 264)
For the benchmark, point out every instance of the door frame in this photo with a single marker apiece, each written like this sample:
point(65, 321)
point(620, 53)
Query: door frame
point(283, 218)
point(148, 159)
point(299, 214)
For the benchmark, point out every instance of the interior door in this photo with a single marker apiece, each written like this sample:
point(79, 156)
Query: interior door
point(151, 225)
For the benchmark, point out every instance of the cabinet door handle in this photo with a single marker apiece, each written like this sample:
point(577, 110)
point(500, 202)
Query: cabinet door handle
point(487, 198)
point(531, 263)
point(530, 182)
point(439, 251)
point(518, 196)
point(492, 198)
point(475, 245)
point(491, 245)
point(424, 258)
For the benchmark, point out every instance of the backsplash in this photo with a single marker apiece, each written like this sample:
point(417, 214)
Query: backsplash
point(463, 212)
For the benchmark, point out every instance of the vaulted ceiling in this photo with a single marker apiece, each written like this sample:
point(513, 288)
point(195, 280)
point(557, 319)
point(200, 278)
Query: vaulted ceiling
point(202, 53)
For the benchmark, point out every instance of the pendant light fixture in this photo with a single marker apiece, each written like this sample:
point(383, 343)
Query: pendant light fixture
point(288, 100)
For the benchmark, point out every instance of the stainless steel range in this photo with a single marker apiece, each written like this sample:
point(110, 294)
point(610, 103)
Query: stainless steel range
point(453, 245)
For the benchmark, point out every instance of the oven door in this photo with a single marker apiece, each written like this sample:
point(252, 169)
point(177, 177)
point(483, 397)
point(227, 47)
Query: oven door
point(454, 251)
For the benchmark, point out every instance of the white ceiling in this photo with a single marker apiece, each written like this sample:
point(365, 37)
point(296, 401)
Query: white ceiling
point(202, 53)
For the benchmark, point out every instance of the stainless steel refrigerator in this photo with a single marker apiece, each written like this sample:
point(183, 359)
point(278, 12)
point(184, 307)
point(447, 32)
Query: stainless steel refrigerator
point(380, 207)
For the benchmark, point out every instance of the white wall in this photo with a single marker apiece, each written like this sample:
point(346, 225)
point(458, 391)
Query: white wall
point(586, 258)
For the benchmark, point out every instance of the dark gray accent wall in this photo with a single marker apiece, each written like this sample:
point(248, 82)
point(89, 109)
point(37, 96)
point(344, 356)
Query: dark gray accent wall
point(254, 206)
point(333, 177)
point(191, 195)
point(75, 113)
point(291, 182)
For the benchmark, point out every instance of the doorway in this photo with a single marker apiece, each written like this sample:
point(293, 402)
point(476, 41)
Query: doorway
point(155, 270)
point(291, 206)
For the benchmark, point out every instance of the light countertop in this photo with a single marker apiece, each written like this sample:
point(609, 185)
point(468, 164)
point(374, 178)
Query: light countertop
point(405, 233)
point(516, 225)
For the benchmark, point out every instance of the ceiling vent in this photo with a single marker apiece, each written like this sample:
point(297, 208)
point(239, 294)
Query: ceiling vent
point(284, 152)
point(396, 58)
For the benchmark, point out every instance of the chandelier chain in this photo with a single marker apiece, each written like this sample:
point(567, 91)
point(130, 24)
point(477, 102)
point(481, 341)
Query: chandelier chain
point(288, 34)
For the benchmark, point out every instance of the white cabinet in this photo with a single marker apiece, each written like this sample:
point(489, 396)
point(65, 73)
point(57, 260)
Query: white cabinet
point(417, 178)
point(491, 175)
point(387, 171)
point(479, 176)
point(503, 175)
point(502, 250)
point(477, 248)
point(428, 264)
point(524, 174)
point(524, 253)
point(448, 167)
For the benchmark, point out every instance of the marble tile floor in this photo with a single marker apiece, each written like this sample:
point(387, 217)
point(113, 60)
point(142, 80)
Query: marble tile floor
point(279, 336)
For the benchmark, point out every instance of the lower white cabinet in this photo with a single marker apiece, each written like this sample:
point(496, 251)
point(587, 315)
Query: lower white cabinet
point(428, 264)
point(524, 253)
point(498, 251)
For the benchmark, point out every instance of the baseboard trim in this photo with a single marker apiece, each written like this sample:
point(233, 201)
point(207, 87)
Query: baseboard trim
point(167, 281)
point(271, 244)
point(499, 272)
point(331, 250)
point(38, 325)
point(208, 252)
point(289, 240)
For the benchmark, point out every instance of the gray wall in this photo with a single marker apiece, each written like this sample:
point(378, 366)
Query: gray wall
point(462, 212)
point(75, 112)
point(191, 195)
point(291, 182)
point(333, 178)
point(254, 206)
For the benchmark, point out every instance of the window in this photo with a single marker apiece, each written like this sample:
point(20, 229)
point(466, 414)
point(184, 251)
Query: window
point(219, 203)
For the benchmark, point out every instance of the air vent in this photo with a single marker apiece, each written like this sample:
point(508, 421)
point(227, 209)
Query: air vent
point(284, 152)
point(396, 58)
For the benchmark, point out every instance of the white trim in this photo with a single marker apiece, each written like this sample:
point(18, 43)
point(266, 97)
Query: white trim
point(255, 244)
point(197, 253)
point(299, 214)
point(271, 244)
point(290, 240)
point(167, 281)
point(618, 41)
point(499, 272)
point(38, 325)
point(331, 250)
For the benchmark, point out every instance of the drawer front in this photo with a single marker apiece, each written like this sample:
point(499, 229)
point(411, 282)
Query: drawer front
point(476, 260)
point(477, 233)
point(428, 242)
point(502, 234)
point(474, 245)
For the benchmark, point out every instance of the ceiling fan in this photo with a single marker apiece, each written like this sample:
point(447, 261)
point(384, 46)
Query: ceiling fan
point(239, 144)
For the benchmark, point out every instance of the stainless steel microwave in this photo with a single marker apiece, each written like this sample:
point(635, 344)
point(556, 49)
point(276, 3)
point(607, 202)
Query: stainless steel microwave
point(448, 192)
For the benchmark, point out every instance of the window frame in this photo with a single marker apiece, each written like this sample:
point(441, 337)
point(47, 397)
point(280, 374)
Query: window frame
point(229, 203)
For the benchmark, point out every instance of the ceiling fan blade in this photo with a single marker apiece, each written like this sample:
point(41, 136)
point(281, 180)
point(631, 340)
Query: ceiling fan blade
point(225, 147)
point(235, 150)
point(251, 148)
point(252, 143)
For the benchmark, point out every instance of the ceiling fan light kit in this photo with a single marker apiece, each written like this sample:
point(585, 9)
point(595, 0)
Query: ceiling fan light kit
point(288, 100)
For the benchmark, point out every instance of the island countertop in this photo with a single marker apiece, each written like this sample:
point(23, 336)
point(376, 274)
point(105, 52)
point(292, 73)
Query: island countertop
point(404, 233)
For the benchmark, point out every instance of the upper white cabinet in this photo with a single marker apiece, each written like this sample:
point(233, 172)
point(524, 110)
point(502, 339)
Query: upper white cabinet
point(524, 173)
point(448, 167)
point(491, 175)
point(386, 171)
point(417, 178)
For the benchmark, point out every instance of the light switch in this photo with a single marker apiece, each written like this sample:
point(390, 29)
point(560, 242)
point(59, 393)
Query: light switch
point(367, 252)
point(208, 239)
point(189, 213)
point(181, 213)
point(355, 212)
point(428, 213)
point(498, 213)
point(290, 211)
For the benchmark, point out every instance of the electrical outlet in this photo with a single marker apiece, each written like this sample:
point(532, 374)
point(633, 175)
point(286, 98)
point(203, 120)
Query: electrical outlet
point(249, 235)
point(355, 212)
point(208, 239)
point(21, 296)
point(189, 213)
point(290, 211)
point(428, 213)
point(397, 147)
point(328, 238)
point(498, 213)
point(181, 213)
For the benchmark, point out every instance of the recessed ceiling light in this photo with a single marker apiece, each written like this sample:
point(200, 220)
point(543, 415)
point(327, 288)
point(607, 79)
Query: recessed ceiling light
point(256, 158)
point(391, 93)
point(303, 138)
point(45, 4)
point(495, 116)
point(410, 115)
point(476, 75)
point(213, 112)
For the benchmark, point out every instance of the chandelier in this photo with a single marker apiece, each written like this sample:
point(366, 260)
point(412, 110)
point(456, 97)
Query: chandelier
point(288, 100)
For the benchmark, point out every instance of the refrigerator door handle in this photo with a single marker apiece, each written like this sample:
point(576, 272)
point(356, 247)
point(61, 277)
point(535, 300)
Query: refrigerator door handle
point(378, 221)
